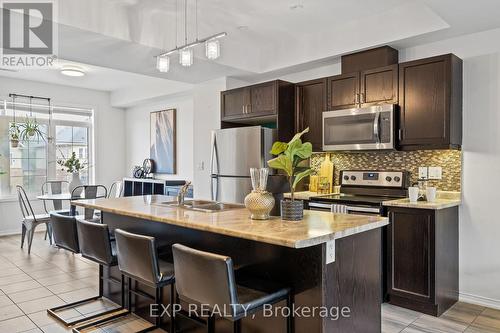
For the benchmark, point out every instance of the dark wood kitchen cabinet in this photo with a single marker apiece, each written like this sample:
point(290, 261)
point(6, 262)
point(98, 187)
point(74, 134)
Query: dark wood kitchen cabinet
point(258, 100)
point(343, 91)
point(430, 99)
point(379, 86)
point(310, 97)
point(269, 103)
point(422, 259)
point(365, 88)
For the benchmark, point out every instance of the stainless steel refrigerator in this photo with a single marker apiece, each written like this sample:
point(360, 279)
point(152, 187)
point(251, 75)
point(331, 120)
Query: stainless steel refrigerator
point(234, 152)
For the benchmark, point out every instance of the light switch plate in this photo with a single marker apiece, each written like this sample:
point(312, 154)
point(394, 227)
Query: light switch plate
point(201, 166)
point(435, 172)
point(330, 251)
point(423, 172)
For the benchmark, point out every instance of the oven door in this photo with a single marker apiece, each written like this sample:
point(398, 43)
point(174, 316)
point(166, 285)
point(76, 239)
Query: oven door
point(368, 128)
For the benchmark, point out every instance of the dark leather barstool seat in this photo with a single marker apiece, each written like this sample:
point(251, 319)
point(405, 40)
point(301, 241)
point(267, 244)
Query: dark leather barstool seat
point(138, 260)
point(94, 244)
point(209, 279)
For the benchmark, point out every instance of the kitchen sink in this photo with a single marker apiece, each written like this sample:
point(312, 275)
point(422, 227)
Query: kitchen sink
point(202, 205)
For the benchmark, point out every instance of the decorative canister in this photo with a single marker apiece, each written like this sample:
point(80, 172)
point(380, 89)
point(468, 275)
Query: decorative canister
point(292, 210)
point(259, 202)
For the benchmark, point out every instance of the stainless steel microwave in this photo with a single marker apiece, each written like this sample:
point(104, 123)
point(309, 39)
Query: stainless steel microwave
point(370, 128)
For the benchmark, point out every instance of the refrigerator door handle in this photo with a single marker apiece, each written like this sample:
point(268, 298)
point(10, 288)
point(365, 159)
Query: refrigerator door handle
point(214, 194)
point(214, 168)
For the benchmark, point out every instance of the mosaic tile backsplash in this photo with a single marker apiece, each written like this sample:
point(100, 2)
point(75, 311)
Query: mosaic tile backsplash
point(449, 160)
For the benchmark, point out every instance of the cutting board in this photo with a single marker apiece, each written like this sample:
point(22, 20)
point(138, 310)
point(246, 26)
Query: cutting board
point(326, 170)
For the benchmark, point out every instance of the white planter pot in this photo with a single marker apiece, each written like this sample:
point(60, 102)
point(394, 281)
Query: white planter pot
point(75, 182)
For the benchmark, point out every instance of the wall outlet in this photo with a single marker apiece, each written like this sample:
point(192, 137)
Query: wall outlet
point(435, 172)
point(423, 172)
point(201, 166)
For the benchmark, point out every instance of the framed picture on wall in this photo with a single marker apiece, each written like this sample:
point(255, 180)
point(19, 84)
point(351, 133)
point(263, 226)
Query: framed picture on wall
point(163, 141)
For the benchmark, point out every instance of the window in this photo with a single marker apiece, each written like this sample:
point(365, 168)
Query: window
point(34, 160)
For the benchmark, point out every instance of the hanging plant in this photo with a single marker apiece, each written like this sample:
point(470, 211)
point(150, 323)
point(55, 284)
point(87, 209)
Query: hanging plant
point(14, 134)
point(30, 130)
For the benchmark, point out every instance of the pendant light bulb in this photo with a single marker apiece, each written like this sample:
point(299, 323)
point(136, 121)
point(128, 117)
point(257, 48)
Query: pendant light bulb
point(163, 63)
point(186, 56)
point(212, 49)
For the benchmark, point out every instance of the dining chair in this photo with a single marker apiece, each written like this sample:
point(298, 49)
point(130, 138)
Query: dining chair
point(54, 187)
point(116, 189)
point(30, 219)
point(88, 192)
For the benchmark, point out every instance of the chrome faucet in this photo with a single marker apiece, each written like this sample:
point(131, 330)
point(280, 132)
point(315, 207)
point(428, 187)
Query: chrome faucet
point(182, 193)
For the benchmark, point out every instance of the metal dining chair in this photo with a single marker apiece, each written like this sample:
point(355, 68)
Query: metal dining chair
point(116, 189)
point(30, 219)
point(54, 187)
point(88, 192)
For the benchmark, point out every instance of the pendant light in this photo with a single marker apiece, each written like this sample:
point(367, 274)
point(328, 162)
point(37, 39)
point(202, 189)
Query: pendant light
point(186, 56)
point(212, 49)
point(163, 63)
point(186, 51)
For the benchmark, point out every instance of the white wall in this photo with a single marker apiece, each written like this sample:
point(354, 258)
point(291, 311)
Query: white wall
point(109, 149)
point(206, 119)
point(137, 139)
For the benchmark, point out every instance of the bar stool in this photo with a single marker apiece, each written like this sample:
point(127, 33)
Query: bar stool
point(64, 229)
point(138, 260)
point(207, 278)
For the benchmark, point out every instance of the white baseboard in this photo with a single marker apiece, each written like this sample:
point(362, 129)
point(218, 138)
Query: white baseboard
point(479, 300)
point(18, 232)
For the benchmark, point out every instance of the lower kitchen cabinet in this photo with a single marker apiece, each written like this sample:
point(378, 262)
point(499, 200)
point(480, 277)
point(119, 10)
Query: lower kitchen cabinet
point(422, 259)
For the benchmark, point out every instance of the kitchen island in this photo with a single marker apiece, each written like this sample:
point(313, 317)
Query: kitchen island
point(331, 261)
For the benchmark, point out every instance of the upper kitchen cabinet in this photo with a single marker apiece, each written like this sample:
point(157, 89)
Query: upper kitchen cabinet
point(379, 86)
point(430, 99)
point(368, 78)
point(343, 91)
point(310, 99)
point(234, 103)
point(269, 103)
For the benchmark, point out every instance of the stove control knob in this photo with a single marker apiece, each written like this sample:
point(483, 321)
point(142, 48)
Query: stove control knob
point(353, 178)
point(397, 179)
point(388, 178)
point(346, 177)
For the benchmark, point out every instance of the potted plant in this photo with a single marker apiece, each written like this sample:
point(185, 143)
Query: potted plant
point(30, 130)
point(72, 165)
point(288, 157)
point(14, 134)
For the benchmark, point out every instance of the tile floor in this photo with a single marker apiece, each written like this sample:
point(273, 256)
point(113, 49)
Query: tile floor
point(49, 277)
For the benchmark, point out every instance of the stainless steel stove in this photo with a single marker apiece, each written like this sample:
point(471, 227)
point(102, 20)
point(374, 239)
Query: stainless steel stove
point(362, 192)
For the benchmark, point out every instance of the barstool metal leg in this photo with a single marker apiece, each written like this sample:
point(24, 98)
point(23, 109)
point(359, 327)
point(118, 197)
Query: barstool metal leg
point(211, 324)
point(290, 323)
point(172, 310)
point(237, 326)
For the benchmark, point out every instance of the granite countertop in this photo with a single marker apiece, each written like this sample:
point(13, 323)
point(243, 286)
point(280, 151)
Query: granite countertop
point(316, 227)
point(439, 203)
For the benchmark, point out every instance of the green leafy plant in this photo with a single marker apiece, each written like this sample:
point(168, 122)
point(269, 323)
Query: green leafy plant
point(72, 164)
point(30, 129)
point(14, 131)
point(288, 157)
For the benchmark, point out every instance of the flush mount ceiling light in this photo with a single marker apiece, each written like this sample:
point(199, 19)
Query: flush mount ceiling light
point(186, 53)
point(72, 71)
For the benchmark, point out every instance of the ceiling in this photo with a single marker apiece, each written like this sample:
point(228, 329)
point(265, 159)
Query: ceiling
point(118, 39)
